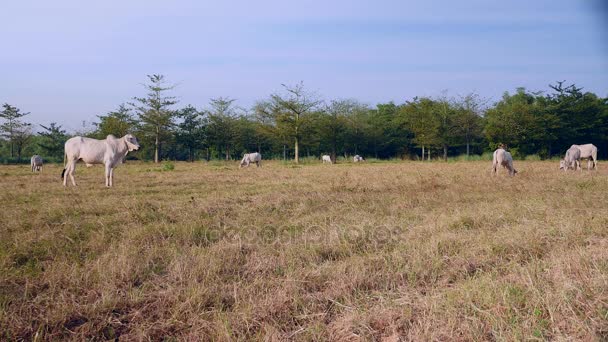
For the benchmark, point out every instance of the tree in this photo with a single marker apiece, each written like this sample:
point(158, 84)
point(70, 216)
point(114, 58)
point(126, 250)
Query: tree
point(421, 119)
point(52, 140)
point(118, 123)
point(221, 130)
point(357, 128)
point(332, 126)
point(292, 111)
point(16, 131)
point(468, 121)
point(154, 111)
point(191, 130)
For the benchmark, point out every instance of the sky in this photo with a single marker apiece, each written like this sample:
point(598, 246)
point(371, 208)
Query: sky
point(68, 61)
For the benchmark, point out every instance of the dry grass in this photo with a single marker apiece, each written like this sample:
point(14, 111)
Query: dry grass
point(387, 251)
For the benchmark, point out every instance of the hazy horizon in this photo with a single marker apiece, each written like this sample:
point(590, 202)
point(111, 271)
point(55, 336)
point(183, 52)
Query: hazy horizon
point(68, 61)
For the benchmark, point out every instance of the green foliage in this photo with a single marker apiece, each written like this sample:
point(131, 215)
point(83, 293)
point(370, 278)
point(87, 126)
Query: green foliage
point(191, 131)
point(118, 123)
point(52, 140)
point(297, 124)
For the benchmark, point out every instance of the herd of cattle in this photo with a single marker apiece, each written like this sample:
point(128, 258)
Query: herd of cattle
point(112, 151)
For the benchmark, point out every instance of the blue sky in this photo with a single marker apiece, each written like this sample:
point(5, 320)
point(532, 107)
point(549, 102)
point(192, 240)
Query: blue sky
point(68, 61)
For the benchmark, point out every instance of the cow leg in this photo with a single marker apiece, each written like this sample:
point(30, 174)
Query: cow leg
point(108, 173)
point(71, 170)
point(112, 177)
point(66, 172)
point(257, 163)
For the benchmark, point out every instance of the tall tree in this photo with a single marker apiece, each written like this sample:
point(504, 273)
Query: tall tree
point(222, 124)
point(292, 112)
point(191, 130)
point(333, 124)
point(154, 111)
point(118, 122)
point(512, 121)
point(52, 140)
point(421, 118)
point(14, 129)
point(468, 121)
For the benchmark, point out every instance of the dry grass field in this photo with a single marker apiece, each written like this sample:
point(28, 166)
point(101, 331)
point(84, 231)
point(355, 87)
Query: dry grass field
point(376, 251)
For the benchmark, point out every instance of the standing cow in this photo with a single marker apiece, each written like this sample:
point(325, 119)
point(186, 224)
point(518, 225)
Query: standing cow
point(504, 159)
point(358, 158)
point(326, 159)
point(36, 163)
point(109, 152)
point(251, 158)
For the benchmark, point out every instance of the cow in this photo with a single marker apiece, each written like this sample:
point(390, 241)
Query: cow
point(36, 163)
point(358, 158)
point(504, 159)
point(572, 159)
point(111, 151)
point(326, 159)
point(589, 152)
point(251, 158)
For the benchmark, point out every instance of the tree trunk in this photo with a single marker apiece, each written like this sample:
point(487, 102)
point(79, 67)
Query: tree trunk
point(156, 147)
point(429, 154)
point(284, 152)
point(467, 148)
point(227, 152)
point(445, 152)
point(422, 152)
point(297, 151)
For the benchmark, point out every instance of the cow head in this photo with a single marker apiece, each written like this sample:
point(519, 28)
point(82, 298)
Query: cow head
point(563, 165)
point(132, 143)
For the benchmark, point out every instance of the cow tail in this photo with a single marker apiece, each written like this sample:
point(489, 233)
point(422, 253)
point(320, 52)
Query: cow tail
point(64, 165)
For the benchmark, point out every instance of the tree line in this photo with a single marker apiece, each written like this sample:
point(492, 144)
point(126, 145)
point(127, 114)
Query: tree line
point(297, 123)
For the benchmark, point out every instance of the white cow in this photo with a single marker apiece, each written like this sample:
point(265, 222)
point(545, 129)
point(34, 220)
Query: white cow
point(326, 159)
point(36, 163)
point(109, 152)
point(572, 159)
point(251, 158)
point(358, 158)
point(589, 152)
point(503, 158)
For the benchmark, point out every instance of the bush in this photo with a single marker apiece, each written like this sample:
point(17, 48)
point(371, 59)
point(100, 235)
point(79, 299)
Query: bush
point(168, 166)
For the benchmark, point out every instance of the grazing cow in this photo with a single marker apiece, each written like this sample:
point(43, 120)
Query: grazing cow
point(503, 158)
point(589, 152)
point(326, 159)
point(572, 159)
point(358, 158)
point(109, 152)
point(36, 163)
point(251, 158)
